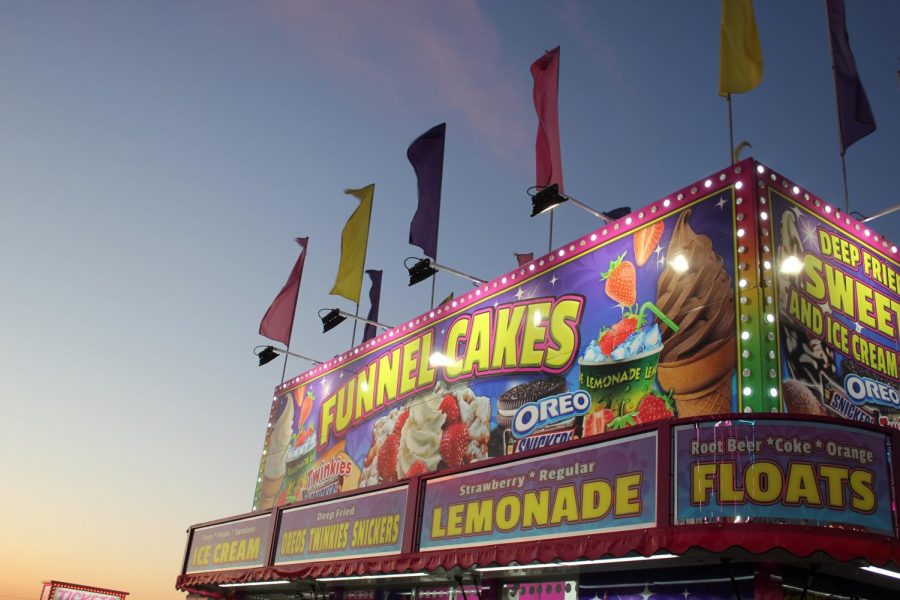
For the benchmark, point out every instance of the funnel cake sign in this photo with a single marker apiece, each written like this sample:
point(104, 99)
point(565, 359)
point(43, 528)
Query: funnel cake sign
point(592, 338)
point(839, 319)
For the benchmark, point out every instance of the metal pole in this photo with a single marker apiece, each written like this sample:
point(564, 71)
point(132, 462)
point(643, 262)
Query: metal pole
point(550, 244)
point(355, 320)
point(730, 132)
point(882, 213)
point(284, 369)
point(846, 192)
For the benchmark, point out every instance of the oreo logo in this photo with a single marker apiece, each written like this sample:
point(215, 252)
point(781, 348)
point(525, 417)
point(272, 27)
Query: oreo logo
point(862, 390)
point(549, 410)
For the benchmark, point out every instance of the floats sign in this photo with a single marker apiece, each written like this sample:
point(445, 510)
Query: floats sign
point(357, 527)
point(795, 472)
point(839, 318)
point(603, 487)
point(235, 545)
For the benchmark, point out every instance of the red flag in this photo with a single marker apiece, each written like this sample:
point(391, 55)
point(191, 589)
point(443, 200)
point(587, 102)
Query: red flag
point(523, 258)
point(279, 319)
point(545, 72)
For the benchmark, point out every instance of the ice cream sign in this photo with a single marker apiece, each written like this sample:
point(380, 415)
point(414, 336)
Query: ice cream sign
point(233, 545)
point(602, 487)
point(795, 472)
point(839, 319)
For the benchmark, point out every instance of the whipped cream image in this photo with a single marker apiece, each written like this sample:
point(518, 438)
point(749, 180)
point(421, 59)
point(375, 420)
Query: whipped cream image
point(420, 438)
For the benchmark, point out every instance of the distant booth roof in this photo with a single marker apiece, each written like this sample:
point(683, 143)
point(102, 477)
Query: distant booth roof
point(699, 400)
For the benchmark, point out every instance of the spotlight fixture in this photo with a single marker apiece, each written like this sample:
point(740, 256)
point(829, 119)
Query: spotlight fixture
point(336, 316)
point(332, 319)
point(550, 197)
point(426, 267)
point(421, 271)
point(270, 353)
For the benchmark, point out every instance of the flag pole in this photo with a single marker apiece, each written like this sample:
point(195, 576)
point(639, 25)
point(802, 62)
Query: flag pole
point(355, 321)
point(284, 369)
point(731, 156)
point(837, 110)
point(550, 243)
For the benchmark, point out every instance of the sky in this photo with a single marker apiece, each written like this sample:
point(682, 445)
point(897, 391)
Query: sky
point(157, 159)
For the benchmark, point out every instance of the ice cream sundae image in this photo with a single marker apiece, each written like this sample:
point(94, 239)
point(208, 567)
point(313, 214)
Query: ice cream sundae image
point(445, 428)
point(694, 290)
point(810, 362)
point(274, 470)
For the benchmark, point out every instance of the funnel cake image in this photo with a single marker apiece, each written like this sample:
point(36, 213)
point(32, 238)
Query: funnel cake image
point(697, 361)
point(279, 443)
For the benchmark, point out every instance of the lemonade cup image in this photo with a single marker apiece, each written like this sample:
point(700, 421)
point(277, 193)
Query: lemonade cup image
point(619, 385)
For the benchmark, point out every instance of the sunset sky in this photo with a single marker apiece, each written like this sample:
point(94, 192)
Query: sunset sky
point(157, 159)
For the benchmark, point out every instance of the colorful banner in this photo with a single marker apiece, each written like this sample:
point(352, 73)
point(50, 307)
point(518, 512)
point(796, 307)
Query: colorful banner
point(839, 317)
point(610, 331)
point(235, 545)
point(609, 486)
point(783, 472)
point(55, 591)
point(357, 527)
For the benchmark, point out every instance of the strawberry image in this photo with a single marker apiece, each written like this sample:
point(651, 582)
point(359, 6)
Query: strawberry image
point(387, 458)
point(621, 281)
point(453, 445)
point(401, 421)
point(417, 468)
point(450, 408)
point(652, 408)
point(645, 241)
point(618, 333)
point(597, 421)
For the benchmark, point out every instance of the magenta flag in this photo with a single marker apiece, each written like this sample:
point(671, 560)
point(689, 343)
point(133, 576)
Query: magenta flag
point(854, 113)
point(524, 258)
point(278, 321)
point(426, 154)
point(545, 72)
point(374, 300)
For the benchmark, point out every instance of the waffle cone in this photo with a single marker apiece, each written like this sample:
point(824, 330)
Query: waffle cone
point(268, 491)
point(713, 400)
point(700, 372)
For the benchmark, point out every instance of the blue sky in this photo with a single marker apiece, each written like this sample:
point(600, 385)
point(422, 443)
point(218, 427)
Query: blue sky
point(158, 158)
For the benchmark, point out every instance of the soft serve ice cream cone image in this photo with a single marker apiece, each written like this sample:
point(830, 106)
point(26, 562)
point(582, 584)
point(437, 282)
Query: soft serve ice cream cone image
point(279, 443)
point(695, 290)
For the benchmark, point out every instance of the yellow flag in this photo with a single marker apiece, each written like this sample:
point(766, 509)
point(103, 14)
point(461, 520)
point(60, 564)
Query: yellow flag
point(740, 57)
point(354, 241)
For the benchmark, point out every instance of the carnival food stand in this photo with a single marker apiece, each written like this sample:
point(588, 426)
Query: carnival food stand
point(697, 400)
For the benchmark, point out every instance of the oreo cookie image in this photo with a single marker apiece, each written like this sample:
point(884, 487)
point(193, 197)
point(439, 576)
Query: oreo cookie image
point(513, 399)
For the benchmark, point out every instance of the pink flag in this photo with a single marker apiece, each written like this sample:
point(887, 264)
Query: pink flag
point(545, 72)
point(523, 258)
point(279, 319)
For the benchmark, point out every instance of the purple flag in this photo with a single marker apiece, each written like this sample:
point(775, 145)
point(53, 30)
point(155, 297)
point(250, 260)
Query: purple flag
point(279, 319)
point(426, 154)
point(523, 258)
point(374, 300)
point(854, 113)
